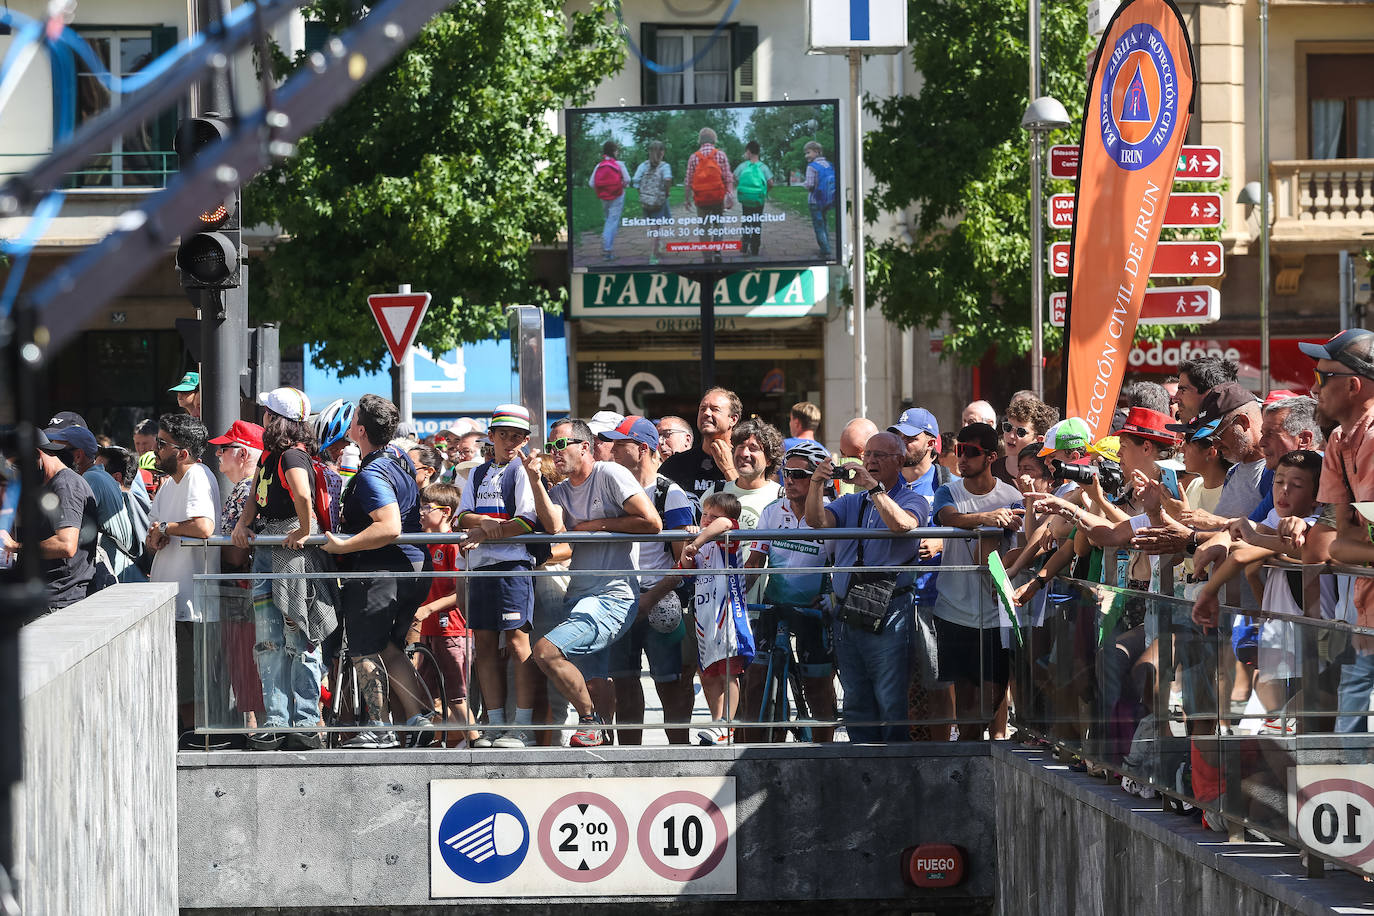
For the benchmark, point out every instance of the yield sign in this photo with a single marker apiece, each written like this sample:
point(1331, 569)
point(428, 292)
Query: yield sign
point(1162, 305)
point(398, 316)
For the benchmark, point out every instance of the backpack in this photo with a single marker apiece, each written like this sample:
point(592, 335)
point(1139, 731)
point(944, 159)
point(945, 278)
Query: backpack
point(753, 184)
point(320, 498)
point(708, 184)
point(608, 180)
point(539, 553)
point(653, 190)
point(825, 183)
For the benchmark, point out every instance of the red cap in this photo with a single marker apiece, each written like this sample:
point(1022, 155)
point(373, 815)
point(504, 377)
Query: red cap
point(1281, 395)
point(241, 432)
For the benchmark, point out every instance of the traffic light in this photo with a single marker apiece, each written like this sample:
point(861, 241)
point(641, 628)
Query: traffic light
point(208, 257)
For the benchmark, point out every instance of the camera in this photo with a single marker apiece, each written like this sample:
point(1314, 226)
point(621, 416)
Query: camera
point(843, 473)
point(1109, 474)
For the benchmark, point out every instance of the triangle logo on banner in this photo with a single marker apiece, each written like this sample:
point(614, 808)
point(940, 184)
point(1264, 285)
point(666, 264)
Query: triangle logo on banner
point(398, 317)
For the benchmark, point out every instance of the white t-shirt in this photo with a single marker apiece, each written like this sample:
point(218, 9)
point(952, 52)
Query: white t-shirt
point(801, 590)
point(966, 598)
point(601, 495)
point(751, 506)
point(489, 499)
point(196, 495)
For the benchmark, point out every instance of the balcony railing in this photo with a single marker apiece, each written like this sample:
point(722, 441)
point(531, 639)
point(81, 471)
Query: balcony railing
point(1323, 198)
point(143, 170)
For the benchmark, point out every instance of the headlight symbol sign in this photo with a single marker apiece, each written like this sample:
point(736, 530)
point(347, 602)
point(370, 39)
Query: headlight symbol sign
point(483, 838)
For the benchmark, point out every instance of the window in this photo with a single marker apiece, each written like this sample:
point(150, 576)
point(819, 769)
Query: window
point(1340, 100)
point(723, 73)
point(143, 156)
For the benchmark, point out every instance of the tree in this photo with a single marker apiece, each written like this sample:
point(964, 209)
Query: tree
point(956, 151)
point(443, 172)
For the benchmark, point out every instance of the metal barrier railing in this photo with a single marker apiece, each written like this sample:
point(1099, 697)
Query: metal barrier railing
point(1240, 720)
point(214, 667)
point(133, 170)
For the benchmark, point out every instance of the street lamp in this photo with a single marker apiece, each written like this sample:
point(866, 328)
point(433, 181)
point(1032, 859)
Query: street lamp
point(1042, 116)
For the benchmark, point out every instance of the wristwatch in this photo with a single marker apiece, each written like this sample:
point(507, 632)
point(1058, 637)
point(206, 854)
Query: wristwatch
point(162, 528)
point(1192, 545)
point(876, 489)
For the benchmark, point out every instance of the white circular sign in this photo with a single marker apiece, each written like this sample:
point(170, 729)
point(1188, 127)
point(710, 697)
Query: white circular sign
point(682, 836)
point(583, 837)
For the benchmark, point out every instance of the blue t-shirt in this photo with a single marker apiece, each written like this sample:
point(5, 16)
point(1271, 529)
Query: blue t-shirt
point(885, 552)
point(1266, 486)
point(386, 476)
point(109, 499)
point(926, 485)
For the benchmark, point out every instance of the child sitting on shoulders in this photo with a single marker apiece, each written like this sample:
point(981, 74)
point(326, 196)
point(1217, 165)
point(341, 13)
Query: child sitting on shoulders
point(725, 644)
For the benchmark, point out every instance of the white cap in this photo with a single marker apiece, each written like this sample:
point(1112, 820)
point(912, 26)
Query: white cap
point(289, 402)
point(603, 421)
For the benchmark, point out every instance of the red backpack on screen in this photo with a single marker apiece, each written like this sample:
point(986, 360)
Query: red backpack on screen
point(607, 180)
point(708, 184)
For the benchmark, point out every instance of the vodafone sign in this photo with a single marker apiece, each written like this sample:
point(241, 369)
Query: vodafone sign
point(1288, 367)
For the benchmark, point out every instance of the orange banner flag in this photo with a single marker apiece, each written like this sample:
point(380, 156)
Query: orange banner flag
point(1140, 98)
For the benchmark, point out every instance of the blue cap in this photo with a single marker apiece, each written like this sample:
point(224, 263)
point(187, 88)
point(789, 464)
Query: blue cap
point(74, 436)
point(637, 429)
point(916, 420)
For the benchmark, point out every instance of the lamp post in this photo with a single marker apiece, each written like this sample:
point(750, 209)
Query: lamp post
point(1042, 116)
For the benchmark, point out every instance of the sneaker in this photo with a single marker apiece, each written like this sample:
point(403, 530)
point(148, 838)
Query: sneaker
point(710, 737)
point(190, 741)
point(423, 738)
point(375, 737)
point(265, 741)
point(587, 734)
point(1213, 821)
point(488, 738)
point(514, 738)
point(305, 741)
point(1278, 725)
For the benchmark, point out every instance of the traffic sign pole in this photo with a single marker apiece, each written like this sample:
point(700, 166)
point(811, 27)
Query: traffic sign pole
point(403, 376)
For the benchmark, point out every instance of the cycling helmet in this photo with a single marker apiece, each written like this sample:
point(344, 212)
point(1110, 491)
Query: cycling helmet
point(809, 450)
point(332, 423)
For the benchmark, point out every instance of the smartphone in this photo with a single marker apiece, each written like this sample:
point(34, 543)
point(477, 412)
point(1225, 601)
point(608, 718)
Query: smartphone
point(1169, 477)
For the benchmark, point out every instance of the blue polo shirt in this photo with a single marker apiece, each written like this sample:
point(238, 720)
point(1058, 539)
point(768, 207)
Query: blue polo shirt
point(877, 553)
point(386, 476)
point(926, 590)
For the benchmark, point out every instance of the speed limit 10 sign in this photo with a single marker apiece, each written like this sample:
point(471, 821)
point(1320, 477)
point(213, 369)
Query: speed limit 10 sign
point(1331, 809)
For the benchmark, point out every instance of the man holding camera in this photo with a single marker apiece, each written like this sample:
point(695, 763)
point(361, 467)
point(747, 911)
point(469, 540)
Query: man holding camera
point(874, 657)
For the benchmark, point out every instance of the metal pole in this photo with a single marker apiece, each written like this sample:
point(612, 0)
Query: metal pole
point(706, 298)
point(856, 158)
point(1264, 195)
point(402, 376)
point(1345, 272)
point(1037, 290)
point(1037, 227)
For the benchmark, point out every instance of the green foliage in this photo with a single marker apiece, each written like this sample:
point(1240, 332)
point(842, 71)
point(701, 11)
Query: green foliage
point(957, 153)
point(443, 172)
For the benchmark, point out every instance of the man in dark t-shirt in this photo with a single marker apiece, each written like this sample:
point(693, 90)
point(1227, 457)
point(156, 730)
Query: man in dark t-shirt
point(709, 464)
point(66, 537)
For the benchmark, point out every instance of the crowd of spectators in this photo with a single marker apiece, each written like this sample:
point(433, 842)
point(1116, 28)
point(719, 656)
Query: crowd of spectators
point(1195, 486)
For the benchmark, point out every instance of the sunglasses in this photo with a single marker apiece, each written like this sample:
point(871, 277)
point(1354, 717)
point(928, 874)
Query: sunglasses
point(1324, 377)
point(562, 442)
point(796, 473)
point(163, 443)
point(1021, 431)
point(433, 506)
point(665, 433)
point(968, 450)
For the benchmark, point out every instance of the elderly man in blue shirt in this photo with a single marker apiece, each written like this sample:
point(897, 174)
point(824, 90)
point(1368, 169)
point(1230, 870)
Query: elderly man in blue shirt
point(874, 667)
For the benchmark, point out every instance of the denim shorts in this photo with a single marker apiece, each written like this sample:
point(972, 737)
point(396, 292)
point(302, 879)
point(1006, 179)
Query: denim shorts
point(665, 658)
point(593, 623)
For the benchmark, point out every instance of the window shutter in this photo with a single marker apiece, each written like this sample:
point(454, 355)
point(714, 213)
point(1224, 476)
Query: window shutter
point(648, 79)
point(744, 42)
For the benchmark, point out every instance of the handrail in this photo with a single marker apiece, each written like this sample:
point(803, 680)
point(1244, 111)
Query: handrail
point(602, 537)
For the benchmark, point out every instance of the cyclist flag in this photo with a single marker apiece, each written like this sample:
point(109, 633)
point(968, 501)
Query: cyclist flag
point(1139, 102)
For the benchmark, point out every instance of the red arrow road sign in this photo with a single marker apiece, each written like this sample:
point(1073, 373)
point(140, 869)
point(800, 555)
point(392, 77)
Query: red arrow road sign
point(1195, 163)
point(1162, 305)
point(398, 315)
point(1172, 259)
point(1183, 211)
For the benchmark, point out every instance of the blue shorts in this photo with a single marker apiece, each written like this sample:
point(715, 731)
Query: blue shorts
point(500, 602)
point(593, 623)
point(665, 658)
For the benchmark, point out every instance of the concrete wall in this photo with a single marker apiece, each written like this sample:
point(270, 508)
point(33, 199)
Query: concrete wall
point(1072, 844)
point(826, 823)
point(96, 821)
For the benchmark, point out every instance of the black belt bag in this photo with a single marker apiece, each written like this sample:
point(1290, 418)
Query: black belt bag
point(866, 602)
